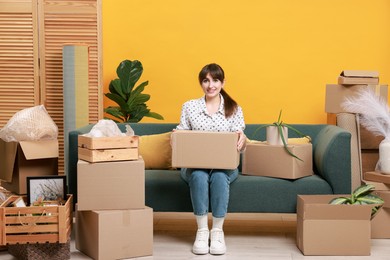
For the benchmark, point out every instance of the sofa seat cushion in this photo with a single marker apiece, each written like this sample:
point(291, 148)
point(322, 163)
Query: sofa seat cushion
point(272, 195)
point(166, 191)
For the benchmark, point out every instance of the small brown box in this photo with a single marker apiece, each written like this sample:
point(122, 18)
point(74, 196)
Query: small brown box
point(106, 149)
point(352, 77)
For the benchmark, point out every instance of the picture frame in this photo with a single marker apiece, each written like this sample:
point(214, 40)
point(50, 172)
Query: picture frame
point(46, 188)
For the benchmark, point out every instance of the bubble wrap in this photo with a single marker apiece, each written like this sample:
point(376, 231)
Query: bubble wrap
point(30, 124)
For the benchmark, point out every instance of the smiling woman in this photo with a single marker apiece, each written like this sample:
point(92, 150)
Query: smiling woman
point(277, 53)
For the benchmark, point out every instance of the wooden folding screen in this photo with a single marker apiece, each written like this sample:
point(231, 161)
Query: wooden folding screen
point(32, 35)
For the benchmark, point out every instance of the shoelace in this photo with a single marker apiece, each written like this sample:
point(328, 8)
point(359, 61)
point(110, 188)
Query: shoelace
point(217, 235)
point(201, 235)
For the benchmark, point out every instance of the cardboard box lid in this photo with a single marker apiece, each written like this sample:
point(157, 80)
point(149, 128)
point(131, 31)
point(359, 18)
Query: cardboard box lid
point(360, 73)
point(318, 207)
point(31, 149)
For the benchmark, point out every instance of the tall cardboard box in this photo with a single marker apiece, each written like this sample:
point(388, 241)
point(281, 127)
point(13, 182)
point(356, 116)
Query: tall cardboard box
point(380, 225)
point(115, 234)
point(26, 158)
point(111, 185)
point(209, 150)
point(325, 229)
point(261, 159)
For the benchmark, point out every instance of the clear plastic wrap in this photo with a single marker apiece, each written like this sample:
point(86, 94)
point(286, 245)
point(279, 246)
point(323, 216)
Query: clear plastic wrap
point(108, 128)
point(30, 124)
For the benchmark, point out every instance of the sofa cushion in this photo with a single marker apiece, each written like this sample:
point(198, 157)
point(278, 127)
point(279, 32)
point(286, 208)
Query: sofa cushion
point(156, 150)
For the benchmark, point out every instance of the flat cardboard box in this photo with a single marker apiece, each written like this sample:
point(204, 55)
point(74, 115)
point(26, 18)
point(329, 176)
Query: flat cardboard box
point(338, 230)
point(115, 234)
point(380, 227)
point(106, 149)
point(350, 77)
point(208, 150)
point(335, 95)
point(26, 158)
point(377, 176)
point(111, 185)
point(261, 159)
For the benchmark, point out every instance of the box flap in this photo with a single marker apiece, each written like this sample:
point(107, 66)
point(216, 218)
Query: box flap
point(39, 149)
point(7, 159)
point(385, 195)
point(318, 207)
point(360, 73)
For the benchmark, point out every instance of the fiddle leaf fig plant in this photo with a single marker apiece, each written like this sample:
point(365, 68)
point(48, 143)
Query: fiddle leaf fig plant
point(280, 124)
point(130, 99)
point(361, 196)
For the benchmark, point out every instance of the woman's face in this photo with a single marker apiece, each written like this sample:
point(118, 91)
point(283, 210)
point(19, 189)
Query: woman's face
point(211, 87)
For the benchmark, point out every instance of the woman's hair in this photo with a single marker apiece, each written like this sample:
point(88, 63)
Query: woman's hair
point(216, 72)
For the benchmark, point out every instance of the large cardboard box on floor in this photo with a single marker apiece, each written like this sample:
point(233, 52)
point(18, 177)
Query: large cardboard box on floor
point(380, 225)
point(111, 185)
point(325, 229)
point(335, 95)
point(115, 234)
point(26, 158)
point(209, 150)
point(261, 159)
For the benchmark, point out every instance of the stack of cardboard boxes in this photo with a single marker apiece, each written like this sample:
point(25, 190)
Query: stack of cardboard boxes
point(364, 145)
point(112, 221)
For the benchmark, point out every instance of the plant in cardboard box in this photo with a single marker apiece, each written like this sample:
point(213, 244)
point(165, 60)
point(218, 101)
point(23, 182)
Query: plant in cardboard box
point(277, 134)
point(131, 101)
point(375, 117)
point(361, 196)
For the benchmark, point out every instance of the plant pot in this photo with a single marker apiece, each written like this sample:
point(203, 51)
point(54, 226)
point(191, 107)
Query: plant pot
point(384, 157)
point(273, 136)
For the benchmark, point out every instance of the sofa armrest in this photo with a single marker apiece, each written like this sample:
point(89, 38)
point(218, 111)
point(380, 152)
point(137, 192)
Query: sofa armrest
point(332, 158)
point(73, 157)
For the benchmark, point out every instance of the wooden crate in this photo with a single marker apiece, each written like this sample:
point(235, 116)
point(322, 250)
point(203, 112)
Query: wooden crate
point(35, 224)
point(106, 149)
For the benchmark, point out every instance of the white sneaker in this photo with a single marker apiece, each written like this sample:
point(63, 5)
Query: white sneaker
point(201, 244)
point(217, 245)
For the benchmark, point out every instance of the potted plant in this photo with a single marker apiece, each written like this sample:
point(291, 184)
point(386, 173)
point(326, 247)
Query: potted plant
point(130, 99)
point(361, 196)
point(277, 134)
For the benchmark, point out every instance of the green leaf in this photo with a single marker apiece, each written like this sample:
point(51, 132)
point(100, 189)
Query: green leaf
point(115, 88)
point(339, 200)
point(115, 112)
point(155, 115)
point(371, 199)
point(363, 189)
point(129, 73)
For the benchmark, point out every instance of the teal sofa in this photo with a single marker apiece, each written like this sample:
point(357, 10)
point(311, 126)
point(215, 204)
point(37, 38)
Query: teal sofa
point(165, 191)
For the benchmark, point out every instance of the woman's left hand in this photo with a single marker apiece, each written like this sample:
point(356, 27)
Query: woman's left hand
point(241, 144)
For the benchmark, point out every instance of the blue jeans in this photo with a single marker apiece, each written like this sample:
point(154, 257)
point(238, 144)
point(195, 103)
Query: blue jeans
point(209, 185)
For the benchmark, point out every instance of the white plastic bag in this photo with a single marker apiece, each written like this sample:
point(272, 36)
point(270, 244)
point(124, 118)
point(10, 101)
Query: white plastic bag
point(108, 128)
point(30, 124)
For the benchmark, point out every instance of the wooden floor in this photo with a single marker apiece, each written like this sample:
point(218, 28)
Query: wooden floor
point(248, 236)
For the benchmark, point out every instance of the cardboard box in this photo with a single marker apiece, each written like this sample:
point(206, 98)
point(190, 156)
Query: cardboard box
point(26, 158)
point(351, 77)
point(115, 234)
point(380, 227)
point(335, 95)
point(111, 185)
point(325, 229)
point(106, 149)
point(379, 186)
point(37, 224)
point(261, 159)
point(377, 177)
point(209, 150)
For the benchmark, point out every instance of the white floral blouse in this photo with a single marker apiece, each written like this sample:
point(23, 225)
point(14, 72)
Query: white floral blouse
point(194, 116)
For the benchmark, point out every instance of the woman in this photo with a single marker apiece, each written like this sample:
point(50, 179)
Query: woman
point(216, 111)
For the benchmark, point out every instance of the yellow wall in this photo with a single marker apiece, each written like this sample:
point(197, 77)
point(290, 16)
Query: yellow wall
point(277, 54)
